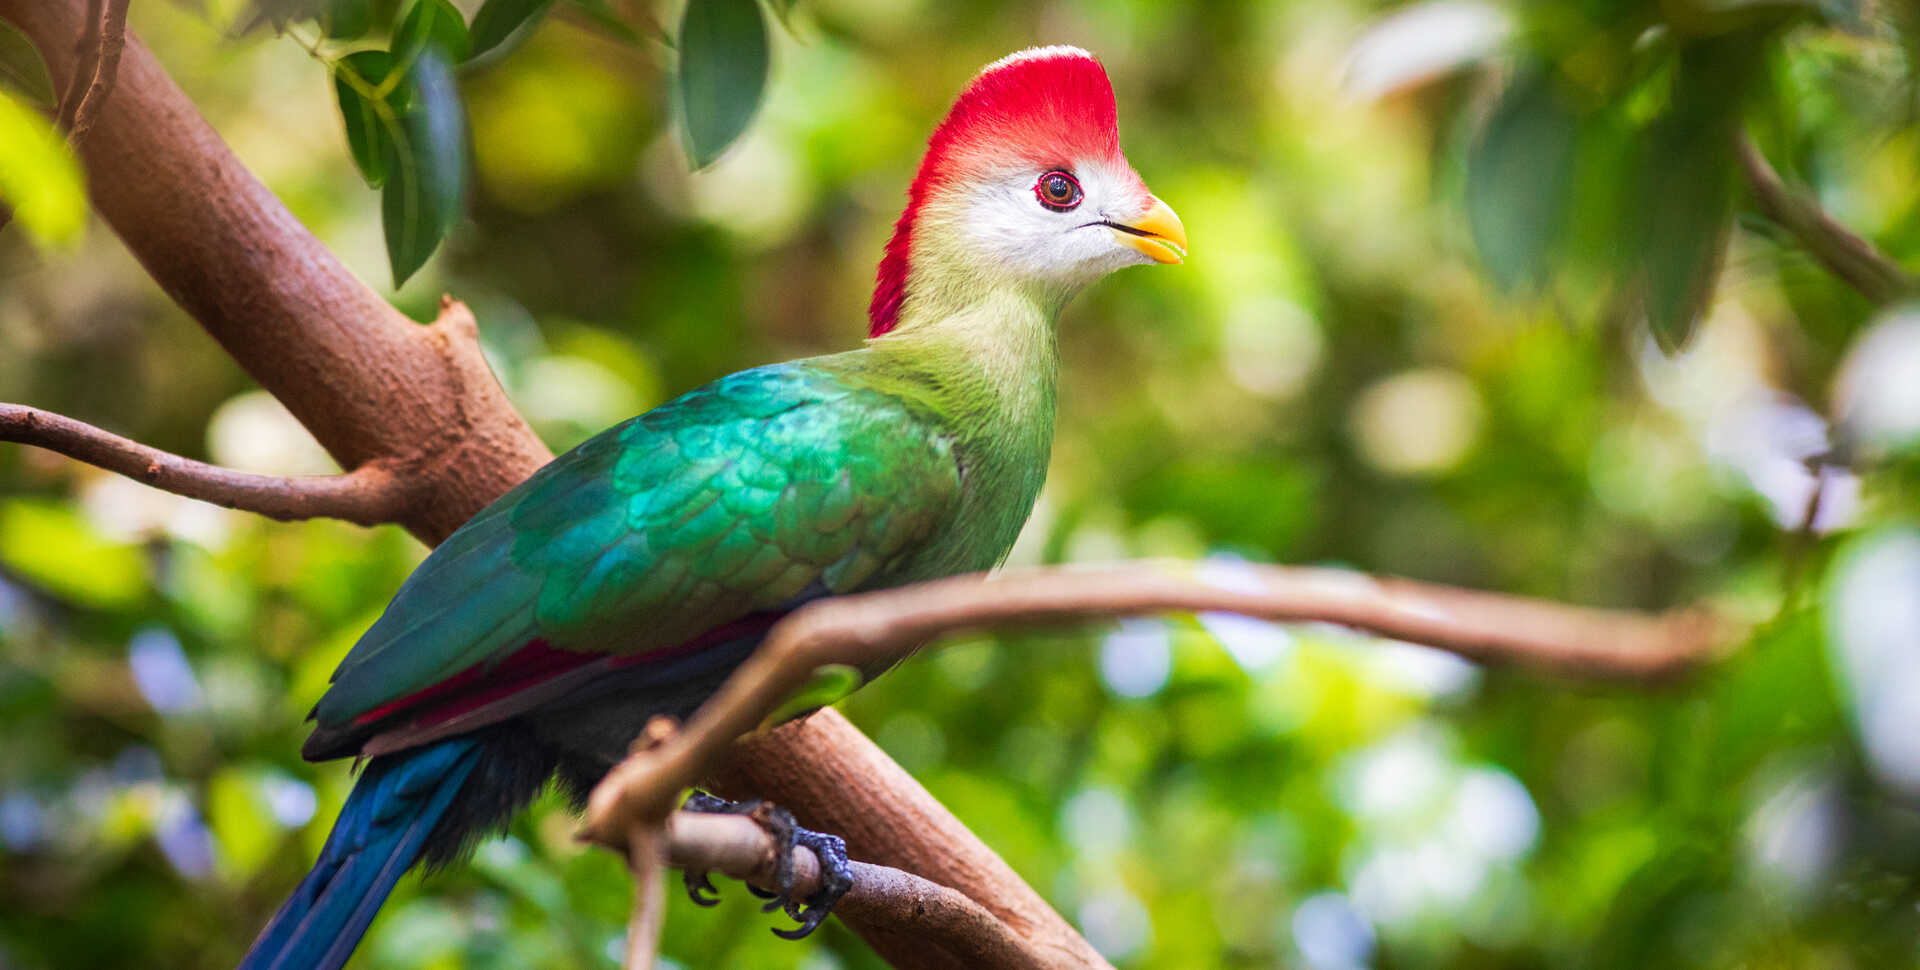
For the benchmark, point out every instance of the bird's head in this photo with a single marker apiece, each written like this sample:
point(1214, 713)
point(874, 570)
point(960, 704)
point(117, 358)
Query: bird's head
point(1023, 186)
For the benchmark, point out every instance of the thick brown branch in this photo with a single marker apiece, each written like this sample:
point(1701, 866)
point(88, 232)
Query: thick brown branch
point(872, 630)
point(835, 780)
point(372, 494)
point(1842, 251)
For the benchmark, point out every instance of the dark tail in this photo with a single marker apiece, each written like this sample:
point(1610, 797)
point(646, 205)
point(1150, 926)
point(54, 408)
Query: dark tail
point(378, 837)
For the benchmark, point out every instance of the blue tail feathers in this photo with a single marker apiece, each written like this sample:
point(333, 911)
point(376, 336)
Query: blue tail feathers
point(379, 835)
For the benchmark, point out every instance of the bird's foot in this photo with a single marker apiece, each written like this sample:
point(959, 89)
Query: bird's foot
point(835, 875)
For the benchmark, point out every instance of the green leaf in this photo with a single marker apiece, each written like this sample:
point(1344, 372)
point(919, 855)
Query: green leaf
point(436, 24)
point(369, 135)
point(39, 176)
point(828, 685)
point(242, 820)
point(427, 168)
point(1520, 180)
point(23, 69)
point(498, 19)
point(1689, 178)
point(722, 74)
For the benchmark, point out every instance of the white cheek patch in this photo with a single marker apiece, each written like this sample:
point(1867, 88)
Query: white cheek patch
point(1008, 229)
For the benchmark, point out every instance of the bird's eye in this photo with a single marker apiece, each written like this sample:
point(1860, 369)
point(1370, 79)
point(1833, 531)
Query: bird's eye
point(1058, 191)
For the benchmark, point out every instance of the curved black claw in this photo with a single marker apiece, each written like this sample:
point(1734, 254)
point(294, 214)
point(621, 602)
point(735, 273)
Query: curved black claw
point(836, 877)
point(700, 888)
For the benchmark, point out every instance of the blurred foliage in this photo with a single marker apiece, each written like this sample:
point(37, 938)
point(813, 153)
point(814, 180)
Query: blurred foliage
point(1439, 248)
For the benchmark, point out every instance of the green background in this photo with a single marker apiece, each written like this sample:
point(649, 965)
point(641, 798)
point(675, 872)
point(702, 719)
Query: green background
point(1410, 339)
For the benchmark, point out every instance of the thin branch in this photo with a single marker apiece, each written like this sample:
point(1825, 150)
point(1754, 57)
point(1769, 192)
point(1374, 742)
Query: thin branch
point(740, 848)
point(1842, 251)
point(649, 898)
point(873, 630)
point(372, 494)
point(113, 42)
point(85, 66)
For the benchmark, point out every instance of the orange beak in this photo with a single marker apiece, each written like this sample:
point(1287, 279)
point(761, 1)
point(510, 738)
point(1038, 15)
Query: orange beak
point(1157, 233)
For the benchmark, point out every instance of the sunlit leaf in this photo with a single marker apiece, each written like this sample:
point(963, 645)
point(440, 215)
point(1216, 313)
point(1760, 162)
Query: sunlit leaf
point(242, 824)
point(722, 74)
point(22, 69)
point(432, 23)
point(51, 546)
point(1519, 179)
point(39, 176)
point(427, 169)
point(368, 136)
point(829, 684)
point(496, 20)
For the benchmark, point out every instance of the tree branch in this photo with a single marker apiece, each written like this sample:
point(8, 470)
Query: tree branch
point(873, 630)
point(86, 64)
point(106, 68)
point(649, 899)
point(1842, 251)
point(372, 494)
point(740, 848)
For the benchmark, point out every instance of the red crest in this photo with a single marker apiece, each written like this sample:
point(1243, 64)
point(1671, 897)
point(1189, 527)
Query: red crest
point(1045, 107)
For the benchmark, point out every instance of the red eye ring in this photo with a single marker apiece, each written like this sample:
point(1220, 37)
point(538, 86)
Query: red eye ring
point(1058, 190)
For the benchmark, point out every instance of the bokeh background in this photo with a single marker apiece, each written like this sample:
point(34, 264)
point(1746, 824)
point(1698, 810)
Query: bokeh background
point(1361, 365)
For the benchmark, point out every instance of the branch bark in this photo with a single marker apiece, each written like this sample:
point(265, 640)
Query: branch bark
point(1843, 252)
point(873, 630)
point(833, 779)
point(372, 494)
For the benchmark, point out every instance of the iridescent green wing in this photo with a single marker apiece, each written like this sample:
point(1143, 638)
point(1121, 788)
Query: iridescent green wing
point(735, 498)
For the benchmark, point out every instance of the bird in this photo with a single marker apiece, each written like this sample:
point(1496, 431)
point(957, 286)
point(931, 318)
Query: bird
point(626, 578)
